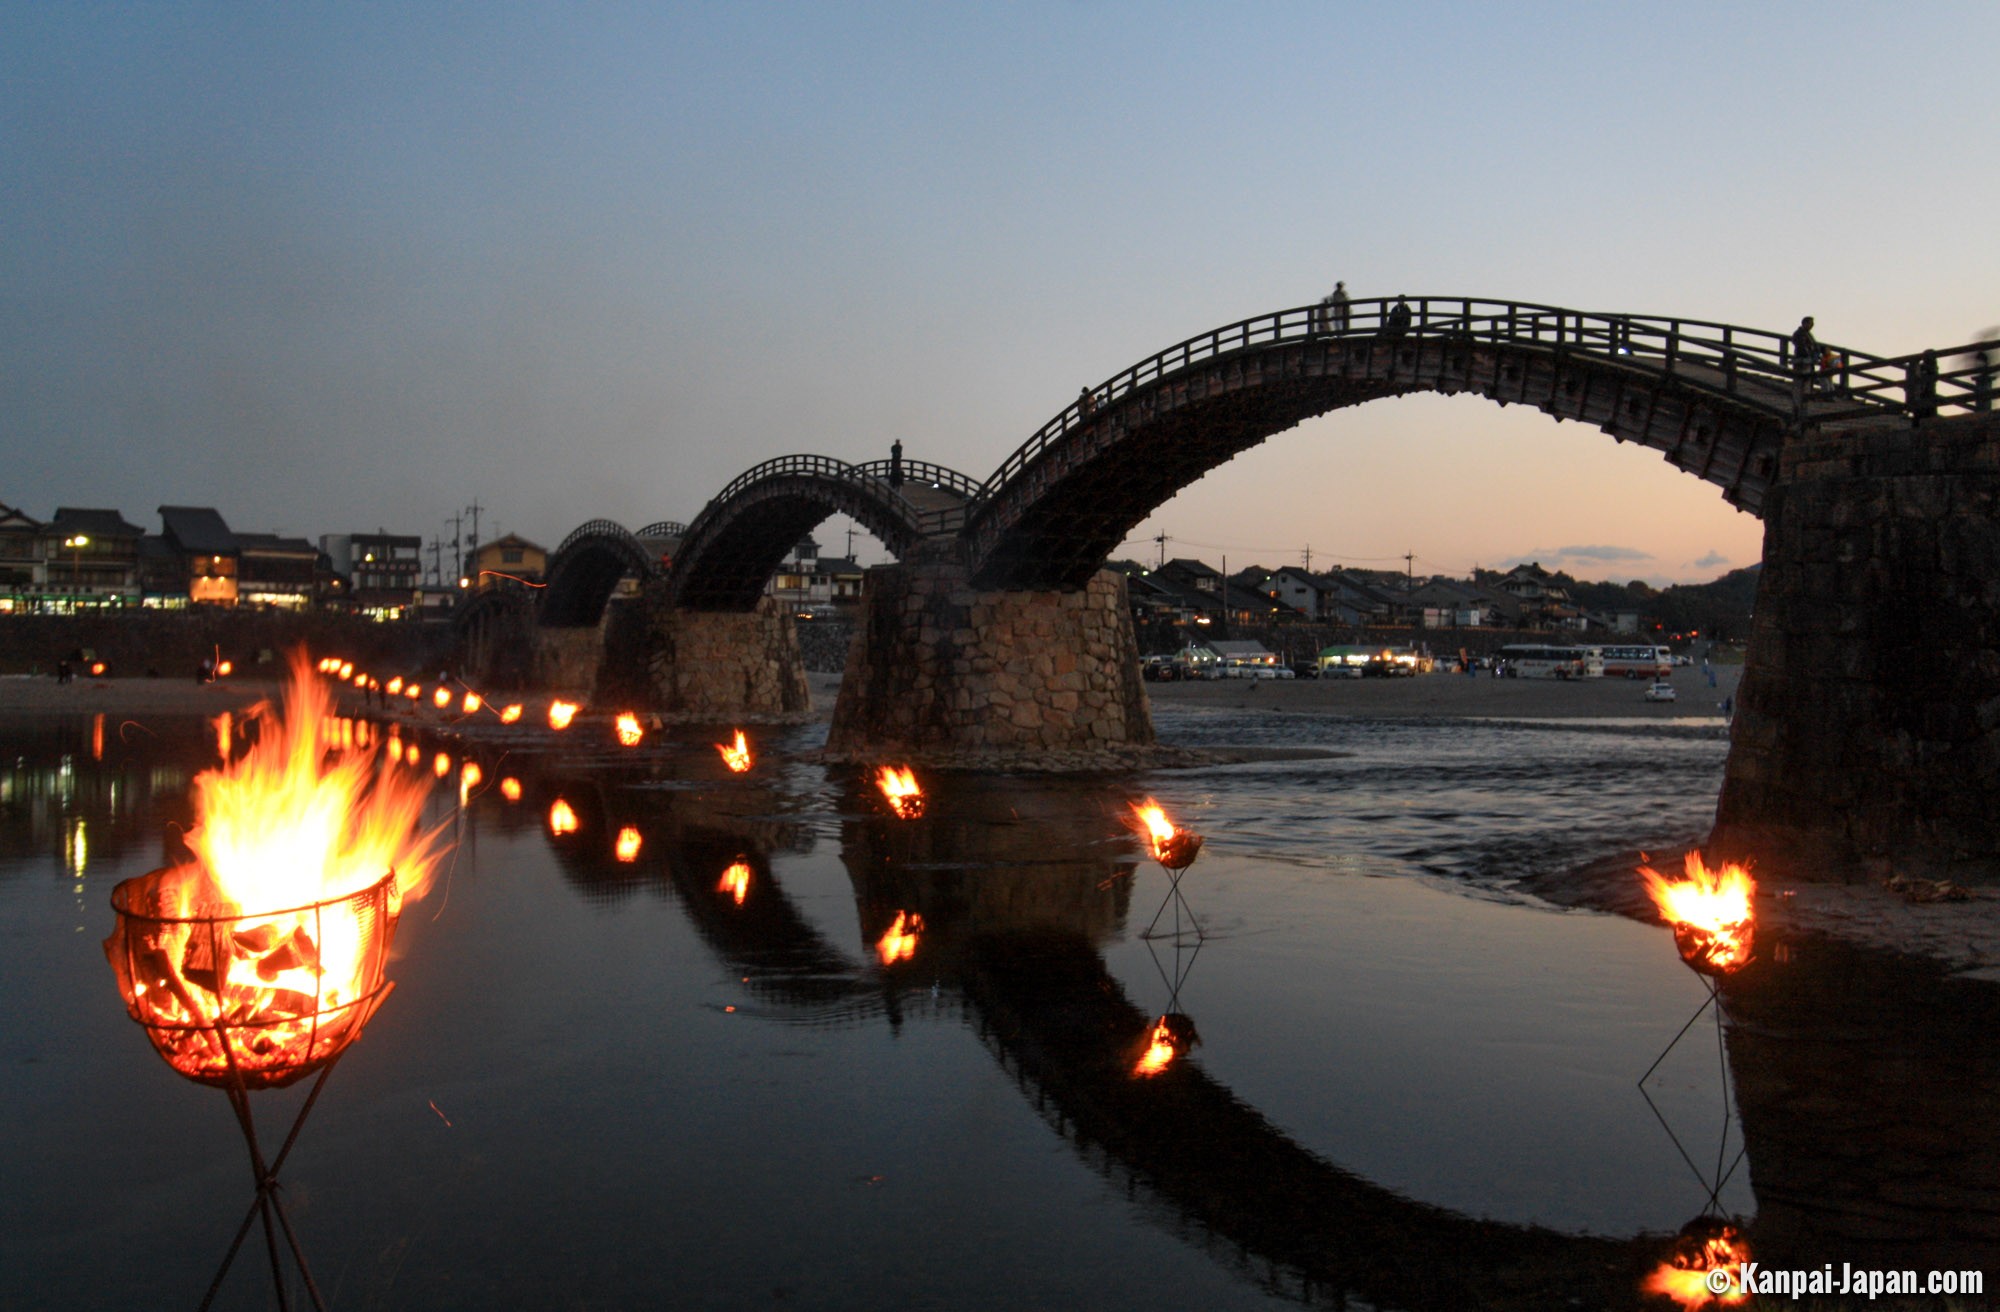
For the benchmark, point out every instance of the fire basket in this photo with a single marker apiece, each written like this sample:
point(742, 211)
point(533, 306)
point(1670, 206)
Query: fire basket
point(249, 1000)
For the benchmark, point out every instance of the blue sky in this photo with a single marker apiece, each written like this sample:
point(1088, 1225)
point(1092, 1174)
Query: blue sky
point(342, 266)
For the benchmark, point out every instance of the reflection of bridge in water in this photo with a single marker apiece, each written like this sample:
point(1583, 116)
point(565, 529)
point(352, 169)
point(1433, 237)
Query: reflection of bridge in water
point(995, 633)
point(1021, 885)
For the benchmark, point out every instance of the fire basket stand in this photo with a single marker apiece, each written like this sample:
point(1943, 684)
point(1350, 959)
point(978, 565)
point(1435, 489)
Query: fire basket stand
point(251, 1001)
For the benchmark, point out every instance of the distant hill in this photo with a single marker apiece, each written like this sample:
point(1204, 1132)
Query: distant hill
point(1719, 610)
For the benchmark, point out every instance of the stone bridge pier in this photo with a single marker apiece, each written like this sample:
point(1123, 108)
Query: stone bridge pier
point(1867, 732)
point(940, 668)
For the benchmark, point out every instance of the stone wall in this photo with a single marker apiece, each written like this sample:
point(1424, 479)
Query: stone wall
point(726, 665)
point(941, 670)
point(1867, 734)
point(567, 659)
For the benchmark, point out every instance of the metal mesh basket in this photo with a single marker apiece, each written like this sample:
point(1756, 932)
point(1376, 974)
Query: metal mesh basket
point(250, 1000)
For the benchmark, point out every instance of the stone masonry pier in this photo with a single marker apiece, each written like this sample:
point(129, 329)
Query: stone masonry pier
point(1867, 734)
point(725, 665)
point(940, 669)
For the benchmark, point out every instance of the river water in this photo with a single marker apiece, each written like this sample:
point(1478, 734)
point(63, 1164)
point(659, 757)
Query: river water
point(603, 1081)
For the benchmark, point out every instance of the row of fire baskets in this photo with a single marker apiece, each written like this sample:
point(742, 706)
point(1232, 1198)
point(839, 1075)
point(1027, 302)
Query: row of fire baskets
point(258, 961)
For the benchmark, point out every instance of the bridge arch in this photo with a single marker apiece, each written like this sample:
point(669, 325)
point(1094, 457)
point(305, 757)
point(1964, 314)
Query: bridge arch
point(585, 570)
point(1715, 399)
point(739, 539)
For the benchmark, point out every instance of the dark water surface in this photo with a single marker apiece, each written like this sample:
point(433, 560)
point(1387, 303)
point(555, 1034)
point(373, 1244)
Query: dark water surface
point(605, 1083)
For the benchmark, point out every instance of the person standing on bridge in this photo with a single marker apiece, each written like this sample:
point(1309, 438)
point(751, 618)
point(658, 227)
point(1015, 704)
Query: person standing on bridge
point(1399, 318)
point(1805, 356)
point(1338, 302)
point(896, 463)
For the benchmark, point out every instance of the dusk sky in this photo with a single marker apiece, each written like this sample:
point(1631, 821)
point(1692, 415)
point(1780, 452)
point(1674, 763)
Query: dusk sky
point(334, 267)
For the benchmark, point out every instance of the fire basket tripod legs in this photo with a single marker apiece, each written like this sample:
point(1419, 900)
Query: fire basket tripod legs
point(1179, 905)
point(268, 1203)
point(1713, 1185)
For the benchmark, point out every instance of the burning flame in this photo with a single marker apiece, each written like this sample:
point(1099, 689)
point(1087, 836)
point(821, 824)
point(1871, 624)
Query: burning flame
point(900, 943)
point(472, 702)
point(1710, 911)
point(511, 714)
point(441, 765)
point(223, 670)
point(629, 842)
point(441, 698)
point(96, 668)
point(1160, 1051)
point(736, 883)
point(737, 756)
point(412, 691)
point(629, 732)
point(510, 788)
point(222, 740)
point(560, 714)
point(562, 820)
point(262, 956)
point(394, 686)
point(905, 798)
point(1703, 1246)
point(1173, 847)
point(346, 671)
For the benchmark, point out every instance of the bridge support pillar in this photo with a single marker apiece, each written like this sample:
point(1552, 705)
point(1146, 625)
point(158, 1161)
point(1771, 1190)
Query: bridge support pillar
point(567, 658)
point(942, 670)
point(1867, 732)
point(726, 664)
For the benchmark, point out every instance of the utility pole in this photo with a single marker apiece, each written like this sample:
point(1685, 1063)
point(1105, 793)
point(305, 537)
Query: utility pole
point(436, 549)
point(457, 561)
point(1410, 585)
point(472, 544)
point(850, 542)
point(1309, 558)
point(1162, 540)
point(1225, 595)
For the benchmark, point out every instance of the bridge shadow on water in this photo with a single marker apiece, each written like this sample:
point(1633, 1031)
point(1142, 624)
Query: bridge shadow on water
point(1866, 1091)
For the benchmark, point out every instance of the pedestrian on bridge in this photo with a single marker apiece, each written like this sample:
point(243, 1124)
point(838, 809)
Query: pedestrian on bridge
point(1399, 318)
point(896, 463)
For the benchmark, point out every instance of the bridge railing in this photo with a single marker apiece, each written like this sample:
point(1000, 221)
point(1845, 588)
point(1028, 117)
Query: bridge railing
point(662, 528)
point(1751, 365)
point(923, 472)
point(592, 529)
point(875, 474)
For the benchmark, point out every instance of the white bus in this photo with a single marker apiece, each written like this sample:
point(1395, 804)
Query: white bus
point(1638, 663)
point(1525, 661)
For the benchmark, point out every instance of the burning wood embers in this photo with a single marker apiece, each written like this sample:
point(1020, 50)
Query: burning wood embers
point(901, 790)
point(1710, 912)
point(1704, 1245)
point(260, 959)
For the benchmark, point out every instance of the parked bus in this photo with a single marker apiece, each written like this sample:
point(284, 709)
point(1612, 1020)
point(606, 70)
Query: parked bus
point(1638, 663)
point(1524, 661)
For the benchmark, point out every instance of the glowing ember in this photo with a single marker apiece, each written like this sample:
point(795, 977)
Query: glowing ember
point(96, 669)
point(1710, 911)
point(736, 883)
point(222, 738)
point(510, 788)
point(1703, 1246)
point(394, 686)
point(900, 943)
point(413, 754)
point(629, 732)
point(629, 842)
point(360, 679)
point(1173, 847)
point(562, 820)
point(736, 756)
point(412, 691)
point(263, 956)
point(441, 698)
point(441, 765)
point(905, 798)
point(472, 702)
point(560, 714)
point(224, 669)
point(346, 671)
point(511, 714)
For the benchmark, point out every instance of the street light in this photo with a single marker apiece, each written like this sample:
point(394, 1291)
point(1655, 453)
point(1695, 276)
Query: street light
point(76, 546)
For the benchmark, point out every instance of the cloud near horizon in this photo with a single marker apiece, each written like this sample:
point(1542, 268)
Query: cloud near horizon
point(1560, 557)
point(1710, 561)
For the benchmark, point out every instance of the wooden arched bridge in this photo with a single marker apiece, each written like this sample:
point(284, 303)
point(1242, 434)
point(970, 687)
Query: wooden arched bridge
point(996, 632)
point(1716, 400)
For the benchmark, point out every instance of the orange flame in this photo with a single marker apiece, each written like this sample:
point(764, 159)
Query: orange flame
point(511, 714)
point(346, 671)
point(629, 732)
point(562, 820)
point(96, 668)
point(263, 955)
point(394, 686)
point(413, 691)
point(472, 702)
point(441, 698)
point(900, 787)
point(222, 742)
point(900, 943)
point(1173, 847)
point(1703, 1246)
point(1710, 911)
point(223, 670)
point(736, 756)
point(629, 842)
point(736, 882)
point(560, 714)
point(1160, 1050)
point(441, 765)
point(510, 788)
